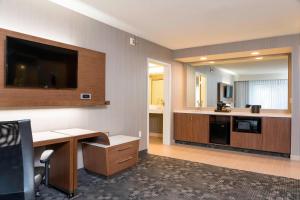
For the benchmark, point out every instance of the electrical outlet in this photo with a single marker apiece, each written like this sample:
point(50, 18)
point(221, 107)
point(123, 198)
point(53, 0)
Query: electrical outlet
point(140, 134)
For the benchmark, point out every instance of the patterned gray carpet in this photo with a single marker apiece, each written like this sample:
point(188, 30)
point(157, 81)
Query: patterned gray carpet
point(163, 178)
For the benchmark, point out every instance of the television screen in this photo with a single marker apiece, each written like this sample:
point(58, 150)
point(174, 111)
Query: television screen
point(228, 91)
point(35, 65)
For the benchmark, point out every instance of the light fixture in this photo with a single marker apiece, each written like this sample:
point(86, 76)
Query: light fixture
point(203, 58)
point(255, 53)
point(259, 58)
point(22, 67)
point(211, 62)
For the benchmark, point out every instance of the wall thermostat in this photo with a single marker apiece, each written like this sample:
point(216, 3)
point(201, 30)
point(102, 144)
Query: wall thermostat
point(85, 96)
point(132, 41)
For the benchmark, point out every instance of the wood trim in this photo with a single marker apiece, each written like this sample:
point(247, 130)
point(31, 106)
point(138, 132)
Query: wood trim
point(290, 79)
point(49, 142)
point(91, 79)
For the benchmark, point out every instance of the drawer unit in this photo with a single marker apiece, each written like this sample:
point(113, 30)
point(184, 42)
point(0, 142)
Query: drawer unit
point(107, 160)
point(123, 150)
point(122, 163)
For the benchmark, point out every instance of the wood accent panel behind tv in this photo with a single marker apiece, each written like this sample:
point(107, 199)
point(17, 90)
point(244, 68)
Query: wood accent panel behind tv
point(91, 79)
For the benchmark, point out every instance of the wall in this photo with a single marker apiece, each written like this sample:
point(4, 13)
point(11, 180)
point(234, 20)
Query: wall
point(213, 78)
point(126, 68)
point(292, 41)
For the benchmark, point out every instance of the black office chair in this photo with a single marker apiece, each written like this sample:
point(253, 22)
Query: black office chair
point(42, 173)
point(17, 180)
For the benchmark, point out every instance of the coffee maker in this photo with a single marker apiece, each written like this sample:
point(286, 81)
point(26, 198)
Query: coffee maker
point(222, 107)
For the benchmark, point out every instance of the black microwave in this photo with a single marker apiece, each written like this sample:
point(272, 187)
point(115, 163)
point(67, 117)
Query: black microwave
point(247, 124)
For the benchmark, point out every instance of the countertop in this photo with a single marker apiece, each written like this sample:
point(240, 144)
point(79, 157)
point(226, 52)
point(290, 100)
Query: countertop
point(236, 113)
point(116, 140)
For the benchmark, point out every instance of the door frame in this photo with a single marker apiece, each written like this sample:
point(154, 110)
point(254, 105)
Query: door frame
point(196, 75)
point(167, 111)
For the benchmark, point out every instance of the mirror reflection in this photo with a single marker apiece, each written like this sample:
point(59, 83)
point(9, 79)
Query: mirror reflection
point(239, 83)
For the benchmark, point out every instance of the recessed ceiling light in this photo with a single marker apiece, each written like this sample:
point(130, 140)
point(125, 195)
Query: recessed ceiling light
point(255, 53)
point(259, 58)
point(203, 58)
point(212, 62)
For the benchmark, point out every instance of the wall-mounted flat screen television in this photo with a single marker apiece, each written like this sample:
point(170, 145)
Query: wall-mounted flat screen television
point(35, 65)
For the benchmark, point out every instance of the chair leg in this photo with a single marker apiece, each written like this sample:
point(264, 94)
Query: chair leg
point(47, 174)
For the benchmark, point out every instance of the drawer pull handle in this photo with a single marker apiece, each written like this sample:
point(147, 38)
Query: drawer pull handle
point(122, 161)
point(124, 148)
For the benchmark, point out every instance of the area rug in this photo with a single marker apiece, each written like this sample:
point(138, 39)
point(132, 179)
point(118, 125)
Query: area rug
point(163, 178)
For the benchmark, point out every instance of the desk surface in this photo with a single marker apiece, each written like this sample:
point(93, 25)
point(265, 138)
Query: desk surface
point(75, 132)
point(48, 137)
point(116, 140)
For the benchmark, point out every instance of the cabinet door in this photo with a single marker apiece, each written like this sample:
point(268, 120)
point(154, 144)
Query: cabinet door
point(182, 127)
point(246, 140)
point(277, 134)
point(200, 128)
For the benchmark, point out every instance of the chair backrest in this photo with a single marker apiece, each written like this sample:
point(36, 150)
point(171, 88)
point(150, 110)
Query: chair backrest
point(16, 161)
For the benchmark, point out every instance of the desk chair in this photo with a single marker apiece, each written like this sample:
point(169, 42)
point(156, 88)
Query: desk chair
point(42, 173)
point(16, 161)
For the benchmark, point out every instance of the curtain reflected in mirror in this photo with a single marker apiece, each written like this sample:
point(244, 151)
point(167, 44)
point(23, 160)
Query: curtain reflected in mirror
point(239, 82)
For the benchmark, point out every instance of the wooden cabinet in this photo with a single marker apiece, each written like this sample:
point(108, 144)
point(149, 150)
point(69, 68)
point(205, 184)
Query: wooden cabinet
point(200, 128)
point(191, 127)
point(109, 160)
point(276, 134)
point(246, 140)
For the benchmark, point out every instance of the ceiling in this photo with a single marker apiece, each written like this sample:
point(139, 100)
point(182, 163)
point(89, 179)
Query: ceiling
point(233, 56)
point(178, 24)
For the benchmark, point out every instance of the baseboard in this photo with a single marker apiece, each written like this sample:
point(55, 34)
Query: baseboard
point(226, 147)
point(295, 157)
point(143, 153)
point(159, 135)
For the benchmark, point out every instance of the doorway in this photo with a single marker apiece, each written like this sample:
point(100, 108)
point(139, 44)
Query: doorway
point(159, 103)
point(200, 90)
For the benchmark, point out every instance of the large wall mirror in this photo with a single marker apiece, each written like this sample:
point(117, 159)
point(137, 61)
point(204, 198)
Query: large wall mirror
point(240, 82)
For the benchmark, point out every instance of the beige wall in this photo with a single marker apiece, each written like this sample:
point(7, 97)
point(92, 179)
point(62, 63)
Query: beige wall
point(126, 68)
point(291, 41)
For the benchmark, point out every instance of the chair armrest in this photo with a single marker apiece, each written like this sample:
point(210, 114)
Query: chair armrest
point(38, 179)
point(46, 155)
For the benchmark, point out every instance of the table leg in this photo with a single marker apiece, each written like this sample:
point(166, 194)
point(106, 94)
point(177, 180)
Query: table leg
point(62, 167)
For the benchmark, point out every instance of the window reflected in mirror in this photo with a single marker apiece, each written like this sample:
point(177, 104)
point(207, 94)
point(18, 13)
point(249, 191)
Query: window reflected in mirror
point(240, 82)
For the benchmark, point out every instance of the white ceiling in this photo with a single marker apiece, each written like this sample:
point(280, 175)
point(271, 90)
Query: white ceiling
point(180, 24)
point(279, 66)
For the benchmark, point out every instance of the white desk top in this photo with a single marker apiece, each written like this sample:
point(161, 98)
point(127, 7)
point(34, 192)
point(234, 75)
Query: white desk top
point(46, 136)
point(116, 140)
point(75, 131)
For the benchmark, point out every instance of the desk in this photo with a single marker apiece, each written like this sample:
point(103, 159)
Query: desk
point(77, 135)
point(62, 168)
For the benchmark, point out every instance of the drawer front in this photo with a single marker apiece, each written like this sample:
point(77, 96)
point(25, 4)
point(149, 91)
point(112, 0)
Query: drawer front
point(122, 163)
point(123, 150)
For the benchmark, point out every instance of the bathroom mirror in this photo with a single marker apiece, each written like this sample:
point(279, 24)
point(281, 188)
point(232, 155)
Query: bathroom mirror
point(261, 80)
